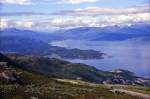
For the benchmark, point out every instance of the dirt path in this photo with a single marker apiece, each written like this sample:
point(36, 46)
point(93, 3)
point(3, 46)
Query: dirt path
point(132, 93)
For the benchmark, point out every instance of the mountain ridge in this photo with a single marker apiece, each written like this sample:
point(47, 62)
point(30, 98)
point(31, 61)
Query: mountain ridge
point(31, 46)
point(114, 33)
point(16, 82)
point(57, 68)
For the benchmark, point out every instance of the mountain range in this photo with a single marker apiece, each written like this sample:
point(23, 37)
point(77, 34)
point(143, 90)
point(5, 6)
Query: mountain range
point(26, 41)
point(29, 42)
point(111, 33)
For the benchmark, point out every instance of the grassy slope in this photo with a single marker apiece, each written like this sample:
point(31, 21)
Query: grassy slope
point(47, 88)
point(140, 89)
point(44, 87)
point(59, 68)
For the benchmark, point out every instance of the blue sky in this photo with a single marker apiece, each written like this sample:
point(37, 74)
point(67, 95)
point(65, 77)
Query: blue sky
point(54, 5)
point(57, 14)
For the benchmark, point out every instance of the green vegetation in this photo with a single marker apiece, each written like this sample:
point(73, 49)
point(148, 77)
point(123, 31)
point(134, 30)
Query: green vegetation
point(140, 89)
point(59, 69)
point(37, 85)
point(47, 88)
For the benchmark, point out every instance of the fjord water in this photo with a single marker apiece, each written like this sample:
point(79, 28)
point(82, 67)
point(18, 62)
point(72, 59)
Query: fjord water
point(133, 55)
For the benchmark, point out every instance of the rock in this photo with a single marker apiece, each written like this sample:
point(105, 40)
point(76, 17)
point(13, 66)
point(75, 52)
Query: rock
point(34, 98)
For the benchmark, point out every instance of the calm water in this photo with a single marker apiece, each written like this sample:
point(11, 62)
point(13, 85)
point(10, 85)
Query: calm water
point(129, 55)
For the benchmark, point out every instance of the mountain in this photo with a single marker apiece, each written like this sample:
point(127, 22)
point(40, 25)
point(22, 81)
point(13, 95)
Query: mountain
point(17, 41)
point(16, 82)
point(22, 45)
point(57, 68)
point(13, 32)
point(111, 33)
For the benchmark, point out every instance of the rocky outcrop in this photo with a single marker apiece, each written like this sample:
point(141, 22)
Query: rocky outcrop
point(9, 74)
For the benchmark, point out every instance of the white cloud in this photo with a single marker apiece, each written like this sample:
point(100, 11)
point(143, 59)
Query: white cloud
point(75, 21)
point(25, 24)
point(126, 19)
point(91, 16)
point(78, 1)
point(102, 20)
point(20, 2)
point(64, 22)
point(3, 23)
point(92, 11)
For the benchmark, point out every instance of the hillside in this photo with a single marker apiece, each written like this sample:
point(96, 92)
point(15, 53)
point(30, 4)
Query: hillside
point(62, 69)
point(37, 86)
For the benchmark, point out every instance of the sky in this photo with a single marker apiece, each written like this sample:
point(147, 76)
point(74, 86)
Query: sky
point(49, 15)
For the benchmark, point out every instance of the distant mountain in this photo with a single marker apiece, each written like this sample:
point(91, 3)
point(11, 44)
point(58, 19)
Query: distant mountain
point(13, 32)
point(22, 45)
point(56, 68)
point(30, 42)
point(19, 42)
point(111, 33)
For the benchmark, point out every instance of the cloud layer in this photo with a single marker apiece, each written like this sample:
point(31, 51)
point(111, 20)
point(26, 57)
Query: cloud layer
point(77, 1)
point(19, 2)
point(91, 16)
point(27, 2)
point(92, 11)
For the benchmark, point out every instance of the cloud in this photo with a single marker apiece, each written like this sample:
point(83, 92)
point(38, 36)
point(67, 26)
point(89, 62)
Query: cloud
point(71, 21)
point(84, 21)
point(19, 2)
point(64, 22)
point(130, 18)
point(23, 13)
point(3, 23)
point(89, 11)
point(78, 1)
point(92, 11)
point(25, 24)
point(91, 16)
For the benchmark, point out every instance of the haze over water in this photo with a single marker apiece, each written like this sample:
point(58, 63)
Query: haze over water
point(129, 55)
